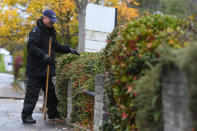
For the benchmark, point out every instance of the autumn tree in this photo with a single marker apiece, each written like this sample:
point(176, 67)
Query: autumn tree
point(66, 15)
point(67, 20)
point(12, 30)
point(18, 17)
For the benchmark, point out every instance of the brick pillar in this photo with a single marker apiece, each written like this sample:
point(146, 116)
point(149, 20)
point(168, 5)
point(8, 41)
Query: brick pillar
point(100, 103)
point(175, 100)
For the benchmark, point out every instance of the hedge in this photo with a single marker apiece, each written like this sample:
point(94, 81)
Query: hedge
point(81, 72)
point(131, 50)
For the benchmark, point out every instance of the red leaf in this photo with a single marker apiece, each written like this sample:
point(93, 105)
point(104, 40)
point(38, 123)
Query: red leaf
point(152, 38)
point(124, 115)
point(118, 33)
point(130, 89)
point(139, 56)
point(118, 81)
point(132, 45)
point(121, 106)
point(135, 78)
point(149, 45)
point(135, 48)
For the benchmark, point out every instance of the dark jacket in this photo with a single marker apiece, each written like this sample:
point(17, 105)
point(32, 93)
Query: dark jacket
point(38, 47)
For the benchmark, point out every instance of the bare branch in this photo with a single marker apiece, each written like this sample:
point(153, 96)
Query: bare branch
point(192, 27)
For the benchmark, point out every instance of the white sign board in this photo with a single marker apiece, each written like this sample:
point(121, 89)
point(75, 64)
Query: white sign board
point(8, 62)
point(7, 58)
point(100, 21)
point(4, 51)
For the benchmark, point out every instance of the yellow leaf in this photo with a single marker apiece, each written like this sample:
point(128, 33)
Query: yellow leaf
point(136, 3)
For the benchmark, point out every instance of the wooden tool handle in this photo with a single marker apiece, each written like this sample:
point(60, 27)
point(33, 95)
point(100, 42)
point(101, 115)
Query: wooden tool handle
point(47, 81)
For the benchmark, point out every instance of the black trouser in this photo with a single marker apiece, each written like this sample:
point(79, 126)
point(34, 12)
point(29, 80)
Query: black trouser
point(32, 93)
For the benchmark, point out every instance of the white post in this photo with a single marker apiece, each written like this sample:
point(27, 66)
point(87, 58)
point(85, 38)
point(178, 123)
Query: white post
point(102, 2)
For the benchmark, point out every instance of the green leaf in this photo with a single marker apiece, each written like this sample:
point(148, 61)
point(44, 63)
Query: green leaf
point(157, 116)
point(124, 79)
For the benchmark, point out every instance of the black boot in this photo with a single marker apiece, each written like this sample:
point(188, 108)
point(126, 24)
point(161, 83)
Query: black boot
point(29, 120)
point(54, 116)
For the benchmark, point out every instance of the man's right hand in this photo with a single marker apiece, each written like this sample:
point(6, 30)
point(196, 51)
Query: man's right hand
point(74, 51)
point(47, 59)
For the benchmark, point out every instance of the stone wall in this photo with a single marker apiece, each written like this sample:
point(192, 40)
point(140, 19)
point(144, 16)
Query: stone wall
point(69, 102)
point(100, 103)
point(175, 100)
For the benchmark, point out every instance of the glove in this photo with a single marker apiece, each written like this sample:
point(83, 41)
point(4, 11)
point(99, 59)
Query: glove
point(47, 59)
point(74, 51)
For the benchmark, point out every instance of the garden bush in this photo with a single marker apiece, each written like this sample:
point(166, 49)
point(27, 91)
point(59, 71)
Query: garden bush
point(131, 50)
point(80, 71)
point(25, 54)
point(22, 68)
point(21, 74)
point(18, 62)
point(149, 101)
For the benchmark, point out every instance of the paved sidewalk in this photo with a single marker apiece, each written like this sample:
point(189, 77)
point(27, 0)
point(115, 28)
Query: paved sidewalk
point(10, 111)
point(6, 88)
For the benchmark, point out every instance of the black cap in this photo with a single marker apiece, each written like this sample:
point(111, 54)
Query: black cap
point(51, 15)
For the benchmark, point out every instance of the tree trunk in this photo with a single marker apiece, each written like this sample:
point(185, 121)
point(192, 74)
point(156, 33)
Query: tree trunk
point(82, 20)
point(82, 5)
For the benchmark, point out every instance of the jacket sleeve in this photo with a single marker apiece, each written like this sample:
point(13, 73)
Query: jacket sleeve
point(33, 42)
point(61, 48)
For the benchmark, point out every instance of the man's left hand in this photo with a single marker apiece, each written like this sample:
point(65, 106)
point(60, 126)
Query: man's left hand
point(74, 51)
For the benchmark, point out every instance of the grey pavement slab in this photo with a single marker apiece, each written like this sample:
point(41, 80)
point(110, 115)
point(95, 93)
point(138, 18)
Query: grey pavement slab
point(6, 79)
point(6, 88)
point(10, 118)
point(10, 111)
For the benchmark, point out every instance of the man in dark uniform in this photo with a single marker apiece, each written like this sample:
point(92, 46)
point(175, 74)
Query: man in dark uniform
point(37, 61)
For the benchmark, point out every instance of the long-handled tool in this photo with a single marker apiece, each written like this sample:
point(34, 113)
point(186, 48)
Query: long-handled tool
point(47, 81)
